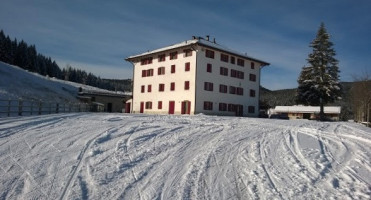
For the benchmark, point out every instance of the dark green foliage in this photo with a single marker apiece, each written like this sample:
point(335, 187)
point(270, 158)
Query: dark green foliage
point(26, 57)
point(319, 81)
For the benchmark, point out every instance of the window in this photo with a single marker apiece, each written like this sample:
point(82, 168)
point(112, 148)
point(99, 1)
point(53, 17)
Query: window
point(173, 55)
point(149, 88)
point(252, 93)
point(142, 89)
point(231, 107)
point(148, 72)
point(240, 62)
point(233, 60)
point(251, 109)
point(172, 69)
point(222, 107)
point(233, 73)
point(186, 85)
point(161, 58)
point(223, 71)
point(209, 67)
point(172, 86)
point(159, 105)
point(240, 91)
point(240, 75)
point(208, 105)
point(161, 71)
point(209, 53)
point(146, 61)
point(223, 88)
point(252, 65)
point(161, 87)
point(208, 86)
point(232, 90)
point(224, 57)
point(148, 105)
point(252, 77)
point(187, 66)
point(187, 52)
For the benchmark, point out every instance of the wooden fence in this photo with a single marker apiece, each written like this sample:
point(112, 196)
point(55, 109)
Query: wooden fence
point(11, 108)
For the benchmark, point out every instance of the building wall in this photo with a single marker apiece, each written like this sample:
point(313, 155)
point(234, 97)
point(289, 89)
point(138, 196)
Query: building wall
point(197, 76)
point(216, 79)
point(179, 78)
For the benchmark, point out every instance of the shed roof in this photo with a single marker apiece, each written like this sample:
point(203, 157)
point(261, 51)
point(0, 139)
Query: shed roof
point(307, 109)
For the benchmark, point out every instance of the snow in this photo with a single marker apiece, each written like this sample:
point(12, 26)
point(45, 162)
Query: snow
point(196, 41)
point(119, 156)
point(16, 83)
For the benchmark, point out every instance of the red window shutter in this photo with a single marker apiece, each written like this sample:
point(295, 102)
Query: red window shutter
point(172, 69)
point(172, 86)
point(186, 85)
point(149, 89)
point(159, 105)
point(187, 66)
point(142, 89)
point(144, 73)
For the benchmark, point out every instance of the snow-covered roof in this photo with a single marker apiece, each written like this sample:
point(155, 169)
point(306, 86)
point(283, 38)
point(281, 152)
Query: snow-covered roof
point(307, 109)
point(199, 41)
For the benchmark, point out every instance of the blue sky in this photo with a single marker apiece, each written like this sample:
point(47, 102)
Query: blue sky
point(97, 35)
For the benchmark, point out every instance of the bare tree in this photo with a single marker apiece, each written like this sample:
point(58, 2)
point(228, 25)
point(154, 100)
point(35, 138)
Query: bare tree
point(361, 98)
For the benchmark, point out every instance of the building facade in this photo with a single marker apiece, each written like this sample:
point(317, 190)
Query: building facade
point(196, 76)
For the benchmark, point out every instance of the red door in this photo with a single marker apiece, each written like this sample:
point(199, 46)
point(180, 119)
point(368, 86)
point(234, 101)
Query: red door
point(171, 107)
point(141, 107)
point(127, 107)
point(186, 107)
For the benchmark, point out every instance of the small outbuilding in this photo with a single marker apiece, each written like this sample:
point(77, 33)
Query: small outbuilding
point(304, 112)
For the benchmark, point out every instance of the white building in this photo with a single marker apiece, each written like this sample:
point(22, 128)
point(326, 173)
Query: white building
point(196, 76)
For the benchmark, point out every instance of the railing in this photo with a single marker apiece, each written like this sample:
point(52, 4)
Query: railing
point(11, 108)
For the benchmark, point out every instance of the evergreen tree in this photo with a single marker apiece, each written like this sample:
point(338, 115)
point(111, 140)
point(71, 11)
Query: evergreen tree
point(319, 81)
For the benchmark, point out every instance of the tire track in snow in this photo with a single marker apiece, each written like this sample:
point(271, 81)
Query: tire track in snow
point(77, 167)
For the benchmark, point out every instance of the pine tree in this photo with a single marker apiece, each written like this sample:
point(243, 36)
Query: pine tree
point(319, 81)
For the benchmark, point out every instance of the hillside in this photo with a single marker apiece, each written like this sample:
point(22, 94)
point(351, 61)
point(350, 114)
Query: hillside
point(16, 83)
point(118, 156)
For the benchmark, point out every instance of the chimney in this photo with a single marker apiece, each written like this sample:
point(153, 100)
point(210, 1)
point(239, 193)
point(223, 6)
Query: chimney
point(214, 41)
point(207, 37)
point(193, 37)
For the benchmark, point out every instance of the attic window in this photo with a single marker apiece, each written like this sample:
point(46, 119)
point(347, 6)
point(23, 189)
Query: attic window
point(187, 52)
point(173, 55)
point(224, 57)
point(240, 62)
point(161, 58)
point(209, 54)
point(146, 61)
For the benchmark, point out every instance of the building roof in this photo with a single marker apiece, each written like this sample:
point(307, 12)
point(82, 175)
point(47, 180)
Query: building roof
point(197, 41)
point(307, 109)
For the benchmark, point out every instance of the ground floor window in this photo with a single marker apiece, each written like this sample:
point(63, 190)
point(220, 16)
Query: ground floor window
point(251, 109)
point(208, 105)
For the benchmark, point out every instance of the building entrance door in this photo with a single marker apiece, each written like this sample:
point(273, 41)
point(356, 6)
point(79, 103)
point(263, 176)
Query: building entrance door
point(171, 107)
point(141, 107)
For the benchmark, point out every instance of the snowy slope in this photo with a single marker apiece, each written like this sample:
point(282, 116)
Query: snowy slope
point(17, 83)
point(117, 156)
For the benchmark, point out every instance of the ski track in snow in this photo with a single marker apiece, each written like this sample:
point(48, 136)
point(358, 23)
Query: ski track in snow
point(118, 156)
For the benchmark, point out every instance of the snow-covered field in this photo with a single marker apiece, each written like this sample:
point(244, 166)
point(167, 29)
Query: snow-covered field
point(117, 156)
